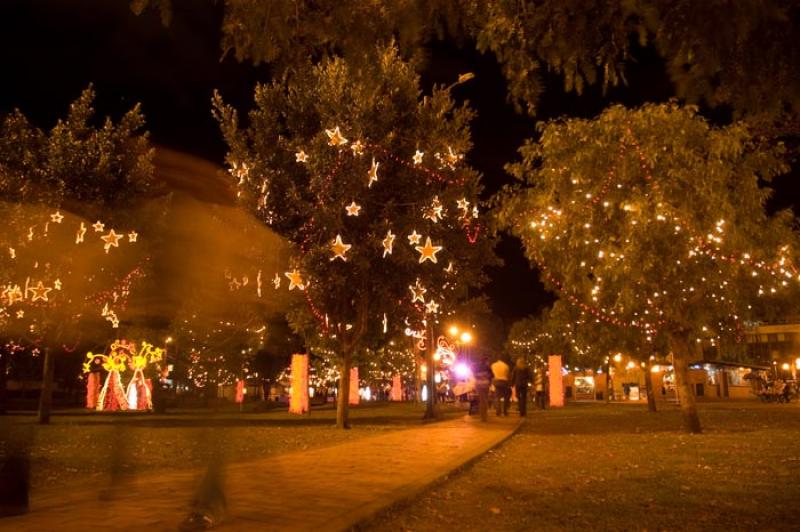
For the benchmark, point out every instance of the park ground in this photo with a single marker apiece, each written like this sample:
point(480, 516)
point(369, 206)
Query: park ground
point(586, 466)
point(618, 467)
point(85, 447)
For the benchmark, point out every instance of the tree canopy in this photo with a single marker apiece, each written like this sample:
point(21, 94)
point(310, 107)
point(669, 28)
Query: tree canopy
point(653, 220)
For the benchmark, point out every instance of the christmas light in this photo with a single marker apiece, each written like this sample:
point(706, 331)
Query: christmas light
point(428, 251)
point(339, 248)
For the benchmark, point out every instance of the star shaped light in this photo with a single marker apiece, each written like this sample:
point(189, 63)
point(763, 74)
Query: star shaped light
point(463, 204)
point(428, 251)
point(276, 282)
point(80, 234)
point(452, 157)
point(353, 209)
point(339, 248)
point(417, 292)
point(99, 226)
point(432, 307)
point(111, 240)
point(435, 213)
point(388, 242)
point(301, 156)
point(20, 314)
point(56, 217)
point(295, 280)
point(12, 294)
point(418, 157)
point(57, 284)
point(373, 173)
point(40, 292)
point(12, 252)
point(414, 238)
point(335, 137)
point(357, 148)
point(132, 236)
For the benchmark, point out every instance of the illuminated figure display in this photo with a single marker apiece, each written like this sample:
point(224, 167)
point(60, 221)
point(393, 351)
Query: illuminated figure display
point(113, 396)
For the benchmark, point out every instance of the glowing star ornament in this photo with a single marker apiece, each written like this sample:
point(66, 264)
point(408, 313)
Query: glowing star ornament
point(56, 217)
point(20, 314)
point(388, 242)
point(463, 204)
point(432, 307)
point(373, 173)
point(417, 292)
point(12, 294)
point(99, 226)
point(111, 240)
point(353, 209)
point(418, 157)
point(276, 282)
point(435, 212)
point(81, 233)
point(57, 284)
point(414, 238)
point(132, 236)
point(339, 248)
point(357, 147)
point(335, 137)
point(39, 292)
point(428, 251)
point(301, 157)
point(295, 280)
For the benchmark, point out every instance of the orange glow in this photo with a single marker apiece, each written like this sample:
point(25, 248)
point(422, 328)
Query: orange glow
point(556, 383)
point(355, 398)
point(298, 398)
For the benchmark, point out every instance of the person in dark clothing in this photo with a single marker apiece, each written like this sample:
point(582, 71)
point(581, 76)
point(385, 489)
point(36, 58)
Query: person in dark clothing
point(520, 377)
point(483, 380)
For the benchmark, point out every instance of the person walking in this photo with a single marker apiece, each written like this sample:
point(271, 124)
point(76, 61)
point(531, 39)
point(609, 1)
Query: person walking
point(520, 377)
point(483, 379)
point(502, 392)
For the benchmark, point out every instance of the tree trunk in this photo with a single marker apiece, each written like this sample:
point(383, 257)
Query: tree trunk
point(430, 405)
point(648, 380)
point(46, 395)
point(680, 364)
point(3, 392)
point(343, 396)
point(608, 382)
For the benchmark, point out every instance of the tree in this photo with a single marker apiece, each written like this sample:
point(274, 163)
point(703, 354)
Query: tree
point(75, 170)
point(652, 220)
point(365, 177)
point(587, 42)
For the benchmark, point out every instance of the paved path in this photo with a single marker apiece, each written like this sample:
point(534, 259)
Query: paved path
point(330, 488)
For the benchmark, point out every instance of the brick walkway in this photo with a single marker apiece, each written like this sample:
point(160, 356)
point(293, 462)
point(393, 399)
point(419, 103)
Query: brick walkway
point(331, 487)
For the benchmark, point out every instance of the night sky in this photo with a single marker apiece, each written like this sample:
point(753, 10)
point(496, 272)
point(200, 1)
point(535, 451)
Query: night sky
point(51, 50)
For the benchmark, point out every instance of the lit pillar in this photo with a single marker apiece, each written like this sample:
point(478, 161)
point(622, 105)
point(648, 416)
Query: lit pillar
point(354, 396)
point(298, 399)
point(397, 388)
point(555, 381)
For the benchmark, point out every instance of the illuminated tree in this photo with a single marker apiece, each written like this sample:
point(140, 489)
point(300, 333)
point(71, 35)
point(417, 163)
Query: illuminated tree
point(365, 177)
point(652, 220)
point(73, 174)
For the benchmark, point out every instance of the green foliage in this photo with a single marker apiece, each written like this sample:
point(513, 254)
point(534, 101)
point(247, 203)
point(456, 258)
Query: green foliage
point(75, 164)
point(379, 105)
point(651, 219)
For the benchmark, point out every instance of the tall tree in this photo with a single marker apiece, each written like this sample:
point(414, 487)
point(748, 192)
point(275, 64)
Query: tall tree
point(365, 176)
point(75, 172)
point(654, 220)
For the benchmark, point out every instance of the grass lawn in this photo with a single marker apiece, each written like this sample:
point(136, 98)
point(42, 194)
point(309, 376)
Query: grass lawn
point(82, 446)
point(617, 467)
